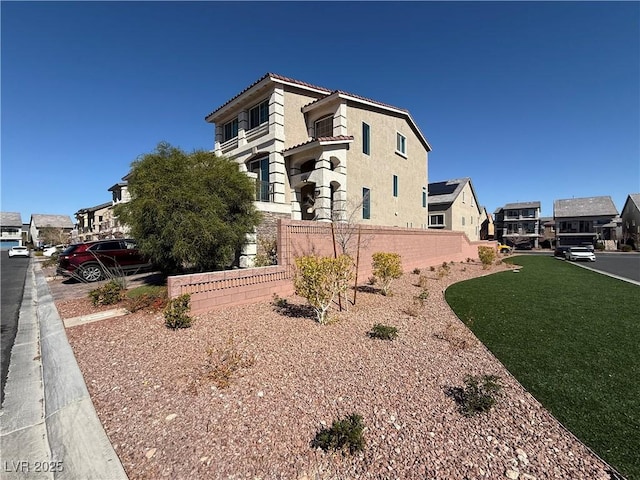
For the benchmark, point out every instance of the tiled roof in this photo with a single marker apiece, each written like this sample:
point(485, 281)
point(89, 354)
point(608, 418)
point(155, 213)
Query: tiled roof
point(93, 209)
point(270, 75)
point(585, 207)
point(43, 220)
point(517, 206)
point(358, 97)
point(10, 219)
point(339, 138)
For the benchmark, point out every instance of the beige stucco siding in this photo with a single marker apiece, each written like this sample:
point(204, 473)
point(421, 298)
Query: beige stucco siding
point(376, 170)
point(465, 214)
point(295, 128)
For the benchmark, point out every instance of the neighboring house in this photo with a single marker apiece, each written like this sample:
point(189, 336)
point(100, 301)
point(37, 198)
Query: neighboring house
point(320, 154)
point(582, 221)
point(518, 224)
point(61, 224)
point(93, 223)
point(119, 194)
point(453, 205)
point(548, 232)
point(630, 217)
point(10, 230)
point(487, 227)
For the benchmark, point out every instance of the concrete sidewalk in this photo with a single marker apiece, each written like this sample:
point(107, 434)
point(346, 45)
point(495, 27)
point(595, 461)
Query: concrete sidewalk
point(48, 426)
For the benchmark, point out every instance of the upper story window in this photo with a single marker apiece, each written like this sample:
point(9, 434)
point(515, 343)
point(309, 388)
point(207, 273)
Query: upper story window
point(366, 139)
point(401, 143)
point(395, 185)
point(436, 220)
point(230, 130)
point(259, 114)
point(424, 197)
point(324, 127)
point(366, 203)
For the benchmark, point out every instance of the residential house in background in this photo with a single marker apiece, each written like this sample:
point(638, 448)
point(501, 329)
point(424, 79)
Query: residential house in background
point(320, 154)
point(10, 230)
point(585, 221)
point(518, 224)
point(630, 217)
point(487, 227)
point(60, 224)
point(548, 232)
point(92, 222)
point(453, 205)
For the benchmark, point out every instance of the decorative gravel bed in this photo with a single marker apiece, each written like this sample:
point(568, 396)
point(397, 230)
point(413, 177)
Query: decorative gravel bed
point(154, 393)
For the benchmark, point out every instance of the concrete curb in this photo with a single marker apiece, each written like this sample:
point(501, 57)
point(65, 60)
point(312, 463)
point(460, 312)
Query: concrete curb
point(94, 317)
point(49, 426)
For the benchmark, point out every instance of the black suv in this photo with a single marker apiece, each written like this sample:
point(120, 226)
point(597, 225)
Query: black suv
point(91, 261)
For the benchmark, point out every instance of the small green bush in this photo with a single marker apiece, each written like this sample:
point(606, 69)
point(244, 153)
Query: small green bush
point(599, 246)
point(479, 394)
point(422, 296)
point(344, 435)
point(109, 294)
point(383, 332)
point(487, 256)
point(175, 313)
point(146, 296)
point(279, 301)
point(386, 267)
point(626, 248)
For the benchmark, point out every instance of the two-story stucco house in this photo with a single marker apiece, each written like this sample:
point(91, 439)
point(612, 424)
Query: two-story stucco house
point(582, 221)
point(320, 154)
point(10, 230)
point(61, 225)
point(631, 221)
point(518, 224)
point(453, 205)
point(92, 222)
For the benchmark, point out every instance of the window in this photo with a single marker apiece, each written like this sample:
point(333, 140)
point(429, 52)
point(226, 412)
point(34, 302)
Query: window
point(462, 221)
point(471, 220)
point(259, 114)
point(366, 139)
point(401, 143)
point(230, 130)
point(436, 220)
point(395, 185)
point(261, 168)
point(424, 197)
point(463, 201)
point(324, 127)
point(366, 203)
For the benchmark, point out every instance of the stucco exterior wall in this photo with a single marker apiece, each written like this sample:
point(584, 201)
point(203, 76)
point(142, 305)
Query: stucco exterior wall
point(466, 209)
point(375, 171)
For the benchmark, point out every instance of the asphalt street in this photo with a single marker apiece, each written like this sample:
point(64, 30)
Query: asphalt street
point(625, 265)
point(13, 274)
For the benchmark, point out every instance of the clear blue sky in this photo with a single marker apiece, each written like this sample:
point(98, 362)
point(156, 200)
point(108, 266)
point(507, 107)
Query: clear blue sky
point(533, 101)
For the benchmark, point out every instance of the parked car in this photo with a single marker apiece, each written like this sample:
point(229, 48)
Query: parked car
point(51, 251)
point(560, 251)
point(504, 248)
point(18, 252)
point(92, 261)
point(579, 253)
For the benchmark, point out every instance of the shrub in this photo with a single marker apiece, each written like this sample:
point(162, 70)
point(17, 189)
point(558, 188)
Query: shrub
point(223, 364)
point(320, 279)
point(345, 434)
point(479, 394)
point(423, 281)
point(383, 332)
point(422, 296)
point(469, 260)
point(279, 301)
point(452, 335)
point(599, 246)
point(386, 267)
point(487, 255)
point(175, 313)
point(147, 296)
point(443, 270)
point(432, 268)
point(416, 271)
point(267, 252)
point(109, 294)
point(626, 248)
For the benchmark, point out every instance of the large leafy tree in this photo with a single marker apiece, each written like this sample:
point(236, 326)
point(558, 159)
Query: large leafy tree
point(188, 211)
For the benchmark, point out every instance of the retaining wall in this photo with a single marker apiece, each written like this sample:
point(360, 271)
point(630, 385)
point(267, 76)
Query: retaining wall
point(418, 248)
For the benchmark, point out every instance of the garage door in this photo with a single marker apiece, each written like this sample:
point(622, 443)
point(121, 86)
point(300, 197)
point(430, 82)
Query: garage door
point(7, 244)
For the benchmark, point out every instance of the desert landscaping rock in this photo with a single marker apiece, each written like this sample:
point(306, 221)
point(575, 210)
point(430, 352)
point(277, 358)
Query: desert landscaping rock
point(304, 377)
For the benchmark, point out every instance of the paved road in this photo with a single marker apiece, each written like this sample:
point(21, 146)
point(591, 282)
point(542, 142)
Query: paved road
point(625, 265)
point(13, 274)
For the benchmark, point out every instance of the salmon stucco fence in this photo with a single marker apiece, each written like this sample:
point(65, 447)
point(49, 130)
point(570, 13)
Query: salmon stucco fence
point(418, 248)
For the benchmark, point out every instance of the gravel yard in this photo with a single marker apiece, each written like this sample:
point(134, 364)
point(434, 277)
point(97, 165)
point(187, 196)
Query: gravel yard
point(154, 391)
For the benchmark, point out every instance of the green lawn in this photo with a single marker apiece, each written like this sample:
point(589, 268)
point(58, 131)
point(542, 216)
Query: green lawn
point(572, 338)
